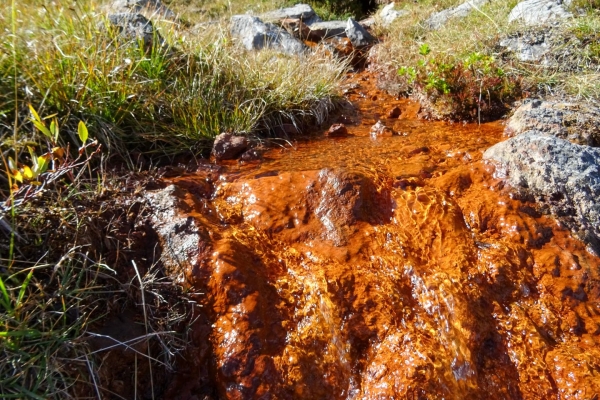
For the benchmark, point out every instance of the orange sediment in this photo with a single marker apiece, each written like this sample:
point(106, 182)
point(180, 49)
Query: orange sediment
point(354, 268)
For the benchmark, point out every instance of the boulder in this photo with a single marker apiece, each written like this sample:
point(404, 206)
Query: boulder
point(136, 27)
point(535, 12)
point(359, 37)
point(327, 29)
point(256, 35)
point(388, 14)
point(577, 123)
point(528, 47)
point(564, 176)
point(381, 130)
point(439, 19)
point(303, 12)
point(227, 146)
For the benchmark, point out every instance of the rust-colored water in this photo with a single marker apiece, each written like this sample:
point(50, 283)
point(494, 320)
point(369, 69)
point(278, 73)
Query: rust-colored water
point(394, 268)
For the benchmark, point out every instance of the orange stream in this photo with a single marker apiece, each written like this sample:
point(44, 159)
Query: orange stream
point(395, 268)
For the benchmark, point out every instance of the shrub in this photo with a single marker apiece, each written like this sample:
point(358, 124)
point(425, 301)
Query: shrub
point(473, 87)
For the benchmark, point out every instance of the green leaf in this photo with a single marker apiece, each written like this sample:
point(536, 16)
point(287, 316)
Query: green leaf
point(5, 299)
point(83, 132)
point(35, 116)
point(37, 121)
point(54, 129)
point(11, 165)
point(24, 288)
point(42, 165)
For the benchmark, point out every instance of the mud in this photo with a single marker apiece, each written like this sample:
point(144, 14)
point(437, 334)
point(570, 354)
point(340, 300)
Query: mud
point(394, 267)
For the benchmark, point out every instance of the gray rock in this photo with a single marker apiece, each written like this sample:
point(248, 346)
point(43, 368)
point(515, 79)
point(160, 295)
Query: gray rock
point(437, 20)
point(256, 35)
point(150, 8)
point(227, 146)
point(387, 15)
point(526, 50)
point(534, 12)
point(136, 27)
point(180, 237)
point(564, 176)
point(323, 30)
point(359, 37)
point(577, 123)
point(304, 12)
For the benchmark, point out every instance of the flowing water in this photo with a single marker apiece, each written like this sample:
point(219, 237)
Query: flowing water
point(394, 268)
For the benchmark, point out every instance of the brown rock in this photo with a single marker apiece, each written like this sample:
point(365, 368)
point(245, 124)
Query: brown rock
point(337, 130)
point(227, 146)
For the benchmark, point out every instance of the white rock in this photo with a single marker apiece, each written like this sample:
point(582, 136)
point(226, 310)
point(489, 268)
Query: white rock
point(534, 12)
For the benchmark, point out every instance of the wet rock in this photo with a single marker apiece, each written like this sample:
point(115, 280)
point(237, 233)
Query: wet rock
point(535, 12)
point(437, 20)
point(303, 12)
point(256, 35)
point(577, 123)
point(182, 241)
point(394, 113)
point(327, 29)
point(306, 205)
point(227, 146)
point(563, 175)
point(251, 155)
point(359, 37)
point(388, 14)
point(381, 130)
point(337, 130)
point(150, 8)
point(136, 27)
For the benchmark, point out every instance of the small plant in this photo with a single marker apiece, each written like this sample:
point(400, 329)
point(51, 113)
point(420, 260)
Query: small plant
point(470, 88)
point(30, 179)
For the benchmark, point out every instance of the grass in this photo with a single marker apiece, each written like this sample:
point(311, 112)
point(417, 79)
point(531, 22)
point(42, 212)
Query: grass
point(164, 99)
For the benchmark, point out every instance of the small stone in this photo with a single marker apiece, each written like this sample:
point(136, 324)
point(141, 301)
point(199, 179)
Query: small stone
point(358, 35)
point(394, 112)
point(251, 155)
point(227, 146)
point(337, 130)
point(387, 15)
point(380, 130)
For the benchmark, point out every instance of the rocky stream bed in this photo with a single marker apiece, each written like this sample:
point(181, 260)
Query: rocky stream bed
point(378, 267)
